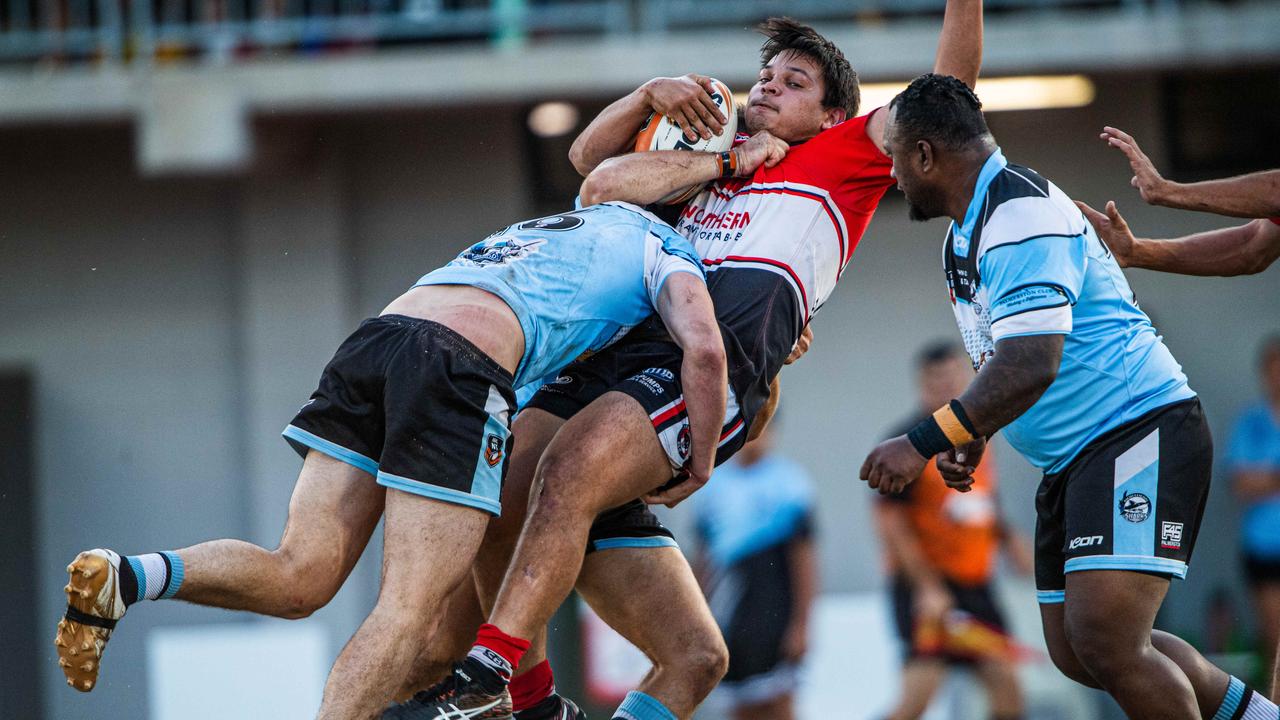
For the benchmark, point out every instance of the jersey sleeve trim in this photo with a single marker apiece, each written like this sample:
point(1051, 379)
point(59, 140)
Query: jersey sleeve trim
point(1032, 296)
point(1029, 238)
point(1039, 321)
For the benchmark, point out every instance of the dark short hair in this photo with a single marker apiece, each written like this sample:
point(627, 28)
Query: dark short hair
point(838, 77)
point(936, 352)
point(940, 109)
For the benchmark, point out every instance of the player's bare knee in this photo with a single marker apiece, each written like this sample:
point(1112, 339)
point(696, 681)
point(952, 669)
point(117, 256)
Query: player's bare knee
point(554, 483)
point(706, 663)
point(1064, 658)
point(309, 583)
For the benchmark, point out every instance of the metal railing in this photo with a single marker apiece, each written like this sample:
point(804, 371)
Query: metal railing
point(118, 31)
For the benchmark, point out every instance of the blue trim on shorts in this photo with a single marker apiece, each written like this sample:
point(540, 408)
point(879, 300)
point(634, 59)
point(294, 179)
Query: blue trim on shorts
point(435, 492)
point(1051, 597)
point(332, 449)
point(634, 542)
point(1168, 566)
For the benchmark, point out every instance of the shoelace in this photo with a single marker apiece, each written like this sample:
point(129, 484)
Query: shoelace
point(441, 690)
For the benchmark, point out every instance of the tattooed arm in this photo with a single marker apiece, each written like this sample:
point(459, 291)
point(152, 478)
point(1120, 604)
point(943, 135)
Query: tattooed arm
point(1015, 377)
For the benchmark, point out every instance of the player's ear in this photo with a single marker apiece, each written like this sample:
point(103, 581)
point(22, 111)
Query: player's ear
point(924, 154)
point(832, 117)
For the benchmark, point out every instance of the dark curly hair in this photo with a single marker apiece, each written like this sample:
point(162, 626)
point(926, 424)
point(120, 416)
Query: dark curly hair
point(838, 77)
point(942, 110)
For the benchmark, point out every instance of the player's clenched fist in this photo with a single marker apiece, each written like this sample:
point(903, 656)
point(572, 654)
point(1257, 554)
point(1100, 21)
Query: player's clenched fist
point(762, 149)
point(892, 465)
point(687, 102)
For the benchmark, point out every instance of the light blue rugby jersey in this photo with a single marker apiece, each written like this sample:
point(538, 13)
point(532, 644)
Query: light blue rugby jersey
point(576, 281)
point(1026, 262)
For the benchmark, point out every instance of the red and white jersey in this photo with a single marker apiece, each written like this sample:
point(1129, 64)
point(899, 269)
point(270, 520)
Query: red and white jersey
point(776, 244)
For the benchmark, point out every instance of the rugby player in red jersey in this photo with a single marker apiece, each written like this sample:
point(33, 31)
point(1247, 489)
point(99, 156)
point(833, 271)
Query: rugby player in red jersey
point(776, 228)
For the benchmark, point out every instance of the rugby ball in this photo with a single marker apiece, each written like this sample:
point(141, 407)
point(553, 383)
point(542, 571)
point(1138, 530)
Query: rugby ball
point(660, 133)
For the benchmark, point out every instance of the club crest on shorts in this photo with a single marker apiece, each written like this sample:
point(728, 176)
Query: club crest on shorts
point(683, 442)
point(1135, 507)
point(493, 450)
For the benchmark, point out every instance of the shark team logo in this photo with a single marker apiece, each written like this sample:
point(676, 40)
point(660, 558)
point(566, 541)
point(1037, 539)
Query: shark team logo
point(502, 251)
point(1135, 507)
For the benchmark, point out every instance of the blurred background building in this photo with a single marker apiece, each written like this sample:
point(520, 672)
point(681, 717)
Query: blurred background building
point(199, 199)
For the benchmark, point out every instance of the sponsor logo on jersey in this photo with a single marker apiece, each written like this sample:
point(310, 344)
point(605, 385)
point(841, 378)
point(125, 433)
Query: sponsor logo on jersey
point(1084, 541)
point(556, 223)
point(493, 450)
point(1171, 535)
point(661, 374)
point(562, 380)
point(496, 253)
point(1135, 507)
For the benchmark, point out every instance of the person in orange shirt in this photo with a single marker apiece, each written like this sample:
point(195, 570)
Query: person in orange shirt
point(940, 548)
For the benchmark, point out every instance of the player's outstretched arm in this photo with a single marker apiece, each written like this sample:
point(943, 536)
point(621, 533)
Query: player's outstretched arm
point(1256, 195)
point(1015, 377)
point(685, 306)
point(1241, 250)
point(647, 177)
point(959, 53)
point(686, 100)
point(960, 45)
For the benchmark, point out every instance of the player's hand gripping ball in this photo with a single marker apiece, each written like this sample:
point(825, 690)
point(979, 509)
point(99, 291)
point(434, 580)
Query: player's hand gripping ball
point(662, 132)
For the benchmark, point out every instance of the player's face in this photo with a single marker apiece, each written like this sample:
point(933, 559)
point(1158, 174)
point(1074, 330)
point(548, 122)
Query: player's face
point(944, 380)
point(925, 201)
point(787, 99)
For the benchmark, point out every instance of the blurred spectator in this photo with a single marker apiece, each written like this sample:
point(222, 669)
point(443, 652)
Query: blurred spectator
point(1253, 459)
point(758, 567)
point(940, 547)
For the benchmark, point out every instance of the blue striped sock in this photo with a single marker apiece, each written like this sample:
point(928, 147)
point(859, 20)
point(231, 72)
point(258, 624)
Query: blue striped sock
point(1231, 701)
point(159, 575)
point(638, 706)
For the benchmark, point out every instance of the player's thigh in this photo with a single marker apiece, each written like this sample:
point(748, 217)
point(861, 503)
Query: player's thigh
point(428, 548)
point(921, 678)
point(650, 596)
point(333, 511)
point(605, 455)
point(1054, 624)
point(533, 430)
point(1109, 613)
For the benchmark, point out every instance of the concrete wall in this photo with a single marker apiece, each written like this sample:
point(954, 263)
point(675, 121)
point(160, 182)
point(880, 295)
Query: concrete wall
point(174, 326)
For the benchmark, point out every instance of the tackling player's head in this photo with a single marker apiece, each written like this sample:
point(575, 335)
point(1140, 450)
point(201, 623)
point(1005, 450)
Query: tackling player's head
point(944, 373)
point(806, 85)
point(935, 134)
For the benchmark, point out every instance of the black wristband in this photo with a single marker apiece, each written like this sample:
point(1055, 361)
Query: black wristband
point(928, 439)
point(963, 417)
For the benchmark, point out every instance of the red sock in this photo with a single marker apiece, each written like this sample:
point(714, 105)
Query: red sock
point(508, 649)
point(532, 687)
